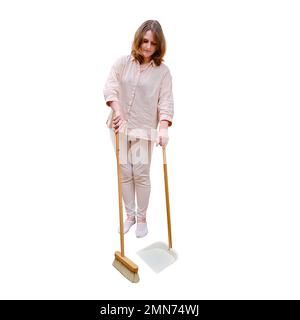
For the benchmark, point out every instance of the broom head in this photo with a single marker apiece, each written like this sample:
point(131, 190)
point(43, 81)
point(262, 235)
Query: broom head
point(128, 268)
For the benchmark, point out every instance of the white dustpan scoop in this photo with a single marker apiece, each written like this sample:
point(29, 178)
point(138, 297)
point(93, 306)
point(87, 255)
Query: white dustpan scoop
point(158, 256)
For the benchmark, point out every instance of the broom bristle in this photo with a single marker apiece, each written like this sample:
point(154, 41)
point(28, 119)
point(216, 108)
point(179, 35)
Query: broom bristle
point(131, 276)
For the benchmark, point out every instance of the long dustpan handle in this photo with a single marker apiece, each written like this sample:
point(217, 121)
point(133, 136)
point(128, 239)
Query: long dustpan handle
point(167, 196)
point(120, 194)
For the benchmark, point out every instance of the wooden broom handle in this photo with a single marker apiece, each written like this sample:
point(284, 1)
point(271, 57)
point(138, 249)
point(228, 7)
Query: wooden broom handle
point(120, 194)
point(167, 196)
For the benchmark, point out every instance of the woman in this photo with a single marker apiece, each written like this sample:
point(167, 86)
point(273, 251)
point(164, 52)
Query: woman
point(139, 92)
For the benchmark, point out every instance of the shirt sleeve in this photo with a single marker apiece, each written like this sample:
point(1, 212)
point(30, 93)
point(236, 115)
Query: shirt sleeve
point(111, 89)
point(165, 100)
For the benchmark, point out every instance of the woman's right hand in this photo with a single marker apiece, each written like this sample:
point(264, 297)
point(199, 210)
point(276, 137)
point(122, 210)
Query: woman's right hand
point(118, 121)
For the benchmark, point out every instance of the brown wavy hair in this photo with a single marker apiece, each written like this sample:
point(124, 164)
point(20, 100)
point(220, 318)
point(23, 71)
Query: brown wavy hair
point(159, 37)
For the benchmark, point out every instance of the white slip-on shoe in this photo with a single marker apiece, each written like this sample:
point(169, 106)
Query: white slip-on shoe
point(141, 229)
point(127, 225)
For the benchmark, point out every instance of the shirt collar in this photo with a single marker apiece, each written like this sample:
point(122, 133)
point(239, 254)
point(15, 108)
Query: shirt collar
point(151, 62)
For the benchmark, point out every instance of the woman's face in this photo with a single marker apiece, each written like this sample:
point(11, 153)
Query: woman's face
point(149, 45)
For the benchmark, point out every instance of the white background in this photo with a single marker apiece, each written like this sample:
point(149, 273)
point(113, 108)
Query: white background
point(233, 156)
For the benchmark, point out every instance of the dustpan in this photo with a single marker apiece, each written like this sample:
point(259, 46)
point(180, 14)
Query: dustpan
point(159, 255)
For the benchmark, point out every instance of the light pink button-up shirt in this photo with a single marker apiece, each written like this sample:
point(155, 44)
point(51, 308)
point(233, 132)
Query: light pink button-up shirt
point(145, 96)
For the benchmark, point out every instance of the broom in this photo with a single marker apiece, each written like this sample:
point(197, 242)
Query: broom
point(127, 268)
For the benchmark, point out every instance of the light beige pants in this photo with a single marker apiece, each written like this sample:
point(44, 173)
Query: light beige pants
point(135, 160)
